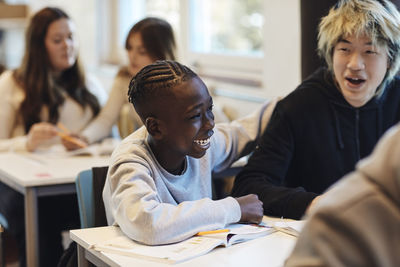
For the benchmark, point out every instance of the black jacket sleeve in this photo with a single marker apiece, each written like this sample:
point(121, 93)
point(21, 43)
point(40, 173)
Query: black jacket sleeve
point(265, 172)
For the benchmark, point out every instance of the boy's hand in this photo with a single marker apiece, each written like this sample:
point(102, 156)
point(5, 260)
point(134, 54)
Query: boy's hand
point(251, 208)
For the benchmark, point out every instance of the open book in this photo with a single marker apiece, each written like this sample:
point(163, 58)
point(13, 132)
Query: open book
point(187, 249)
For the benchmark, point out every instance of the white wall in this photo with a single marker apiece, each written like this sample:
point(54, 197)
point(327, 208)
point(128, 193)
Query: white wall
point(282, 69)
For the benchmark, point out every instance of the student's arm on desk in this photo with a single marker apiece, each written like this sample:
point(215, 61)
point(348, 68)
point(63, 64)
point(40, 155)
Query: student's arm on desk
point(137, 209)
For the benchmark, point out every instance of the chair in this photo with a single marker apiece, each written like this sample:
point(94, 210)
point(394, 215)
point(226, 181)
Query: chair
point(128, 121)
point(3, 225)
point(89, 187)
point(1, 246)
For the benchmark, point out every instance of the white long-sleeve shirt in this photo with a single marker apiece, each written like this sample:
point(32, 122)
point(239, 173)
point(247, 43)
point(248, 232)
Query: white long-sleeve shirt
point(12, 130)
point(154, 206)
point(101, 126)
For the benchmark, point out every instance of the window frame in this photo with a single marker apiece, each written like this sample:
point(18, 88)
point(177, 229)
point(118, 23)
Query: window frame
point(262, 73)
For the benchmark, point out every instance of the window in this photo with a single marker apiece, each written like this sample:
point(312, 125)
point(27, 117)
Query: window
point(227, 45)
point(234, 42)
point(213, 41)
point(213, 31)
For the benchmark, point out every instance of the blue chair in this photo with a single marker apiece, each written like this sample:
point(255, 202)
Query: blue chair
point(89, 187)
point(3, 225)
point(1, 247)
point(3, 221)
point(84, 192)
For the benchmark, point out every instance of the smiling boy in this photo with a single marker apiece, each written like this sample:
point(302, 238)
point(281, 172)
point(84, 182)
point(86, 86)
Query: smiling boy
point(158, 189)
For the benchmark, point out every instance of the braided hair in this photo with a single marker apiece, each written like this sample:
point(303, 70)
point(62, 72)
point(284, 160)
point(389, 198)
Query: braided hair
point(153, 80)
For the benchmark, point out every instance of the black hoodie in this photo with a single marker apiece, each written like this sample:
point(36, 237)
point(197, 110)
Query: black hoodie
point(313, 139)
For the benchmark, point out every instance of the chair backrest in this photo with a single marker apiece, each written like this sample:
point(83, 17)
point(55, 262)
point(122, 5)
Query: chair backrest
point(3, 226)
point(3, 221)
point(2, 261)
point(89, 187)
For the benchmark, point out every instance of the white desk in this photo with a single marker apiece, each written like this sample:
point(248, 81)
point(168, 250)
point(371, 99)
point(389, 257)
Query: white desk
point(39, 175)
point(271, 250)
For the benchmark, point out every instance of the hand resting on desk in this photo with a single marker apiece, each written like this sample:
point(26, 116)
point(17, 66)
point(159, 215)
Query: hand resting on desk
point(251, 208)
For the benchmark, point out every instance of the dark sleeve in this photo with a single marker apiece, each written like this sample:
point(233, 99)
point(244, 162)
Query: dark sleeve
point(265, 172)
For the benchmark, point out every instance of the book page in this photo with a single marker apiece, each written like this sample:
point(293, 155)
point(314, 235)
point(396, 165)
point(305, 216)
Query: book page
point(186, 249)
point(245, 232)
point(173, 253)
point(242, 232)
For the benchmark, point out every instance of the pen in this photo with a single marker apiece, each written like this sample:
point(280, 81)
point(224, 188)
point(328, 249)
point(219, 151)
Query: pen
point(64, 134)
point(213, 232)
point(62, 127)
point(71, 139)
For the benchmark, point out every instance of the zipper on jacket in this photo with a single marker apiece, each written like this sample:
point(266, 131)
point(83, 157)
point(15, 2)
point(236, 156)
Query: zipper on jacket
point(357, 131)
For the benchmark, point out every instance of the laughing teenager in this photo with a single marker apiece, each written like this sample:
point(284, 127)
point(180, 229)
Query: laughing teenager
point(158, 188)
point(336, 116)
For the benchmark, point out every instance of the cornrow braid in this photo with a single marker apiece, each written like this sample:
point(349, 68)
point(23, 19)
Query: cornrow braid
point(152, 80)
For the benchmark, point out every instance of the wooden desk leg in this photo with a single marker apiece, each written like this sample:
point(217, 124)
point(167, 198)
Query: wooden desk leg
point(82, 261)
point(31, 227)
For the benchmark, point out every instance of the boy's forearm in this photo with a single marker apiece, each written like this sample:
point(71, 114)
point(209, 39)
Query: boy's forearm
point(167, 223)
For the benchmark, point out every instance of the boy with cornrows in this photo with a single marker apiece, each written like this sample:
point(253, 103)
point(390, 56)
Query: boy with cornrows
point(158, 187)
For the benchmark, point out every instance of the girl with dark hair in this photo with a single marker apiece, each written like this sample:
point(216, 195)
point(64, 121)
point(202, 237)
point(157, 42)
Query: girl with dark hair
point(49, 87)
point(148, 40)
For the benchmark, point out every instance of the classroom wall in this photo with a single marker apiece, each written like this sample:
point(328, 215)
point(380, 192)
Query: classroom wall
point(282, 71)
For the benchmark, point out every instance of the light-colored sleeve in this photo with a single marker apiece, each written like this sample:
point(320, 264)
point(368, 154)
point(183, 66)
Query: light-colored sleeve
point(144, 217)
point(101, 126)
point(238, 138)
point(10, 100)
point(96, 88)
point(8, 109)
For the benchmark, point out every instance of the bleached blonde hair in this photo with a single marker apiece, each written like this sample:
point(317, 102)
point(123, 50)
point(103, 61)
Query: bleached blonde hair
point(377, 19)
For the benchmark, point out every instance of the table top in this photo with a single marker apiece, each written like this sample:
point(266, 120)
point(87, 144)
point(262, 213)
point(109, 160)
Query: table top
point(29, 169)
point(271, 250)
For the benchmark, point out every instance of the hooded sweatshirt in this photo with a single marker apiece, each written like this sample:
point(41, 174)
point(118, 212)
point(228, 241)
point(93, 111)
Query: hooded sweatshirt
point(357, 222)
point(314, 138)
